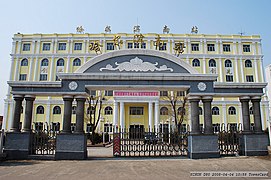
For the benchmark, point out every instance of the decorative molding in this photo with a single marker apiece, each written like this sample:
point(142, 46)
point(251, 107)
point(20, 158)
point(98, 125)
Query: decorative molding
point(136, 64)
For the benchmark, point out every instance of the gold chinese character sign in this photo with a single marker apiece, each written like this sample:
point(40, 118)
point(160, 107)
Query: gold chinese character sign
point(117, 41)
point(178, 48)
point(95, 46)
point(158, 43)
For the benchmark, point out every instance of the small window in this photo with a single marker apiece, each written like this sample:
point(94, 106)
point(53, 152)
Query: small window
point(136, 110)
point(136, 45)
point(24, 62)
point(90, 110)
point(26, 47)
point(215, 111)
point(163, 47)
point(108, 93)
point(130, 45)
point(249, 78)
point(200, 111)
point(108, 128)
point(60, 62)
point(77, 62)
point(195, 47)
point(44, 62)
point(164, 111)
point(195, 63)
point(38, 126)
point(108, 110)
point(73, 109)
point(232, 110)
point(163, 93)
point(248, 63)
point(229, 78)
point(226, 47)
point(89, 128)
point(143, 45)
point(22, 77)
point(43, 77)
point(251, 110)
point(77, 46)
point(40, 110)
point(61, 46)
point(57, 110)
point(181, 111)
point(109, 46)
point(210, 47)
point(228, 63)
point(212, 63)
point(233, 126)
point(180, 93)
point(216, 127)
point(55, 126)
point(246, 48)
point(46, 46)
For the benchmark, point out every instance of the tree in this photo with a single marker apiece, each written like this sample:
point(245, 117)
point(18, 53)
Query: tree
point(93, 115)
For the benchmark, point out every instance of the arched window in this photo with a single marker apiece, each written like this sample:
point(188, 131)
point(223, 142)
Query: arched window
point(215, 111)
point(108, 110)
point(57, 110)
point(24, 62)
point(248, 63)
point(181, 111)
point(60, 62)
point(44, 62)
point(195, 63)
point(200, 110)
point(232, 110)
point(40, 110)
point(164, 111)
point(212, 63)
point(251, 110)
point(228, 63)
point(74, 110)
point(77, 62)
point(91, 111)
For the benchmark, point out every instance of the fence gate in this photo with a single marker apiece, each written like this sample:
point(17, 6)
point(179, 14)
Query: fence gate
point(44, 142)
point(147, 143)
point(229, 140)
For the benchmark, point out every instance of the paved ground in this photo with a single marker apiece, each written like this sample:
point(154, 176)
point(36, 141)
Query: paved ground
point(128, 168)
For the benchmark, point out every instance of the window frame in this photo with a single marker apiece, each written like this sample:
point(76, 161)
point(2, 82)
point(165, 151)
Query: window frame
point(196, 63)
point(57, 110)
point(194, 47)
point(136, 111)
point(108, 110)
point(229, 78)
point(215, 111)
point(76, 62)
point(77, 46)
point(249, 78)
point(40, 109)
point(232, 110)
point(110, 46)
point(46, 46)
point(163, 111)
point(212, 63)
point(246, 47)
point(210, 47)
point(22, 77)
point(226, 48)
point(26, 46)
point(43, 77)
point(248, 63)
point(24, 62)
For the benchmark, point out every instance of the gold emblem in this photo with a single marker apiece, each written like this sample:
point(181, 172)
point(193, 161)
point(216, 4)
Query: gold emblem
point(166, 29)
point(117, 41)
point(194, 30)
point(158, 43)
point(80, 29)
point(178, 48)
point(138, 39)
point(95, 46)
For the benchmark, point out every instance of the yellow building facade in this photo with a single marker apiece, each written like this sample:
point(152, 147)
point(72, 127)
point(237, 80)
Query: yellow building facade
point(234, 59)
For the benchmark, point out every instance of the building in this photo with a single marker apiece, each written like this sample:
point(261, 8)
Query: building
point(227, 68)
point(268, 80)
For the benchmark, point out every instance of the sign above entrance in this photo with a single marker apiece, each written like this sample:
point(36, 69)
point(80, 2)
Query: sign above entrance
point(136, 93)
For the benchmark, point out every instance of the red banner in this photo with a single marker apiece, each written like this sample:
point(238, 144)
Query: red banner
point(141, 93)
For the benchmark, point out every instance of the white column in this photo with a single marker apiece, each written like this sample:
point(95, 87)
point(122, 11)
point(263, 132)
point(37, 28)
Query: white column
point(68, 65)
point(221, 73)
point(36, 69)
point(52, 69)
point(259, 48)
point(256, 70)
point(261, 71)
point(116, 115)
point(168, 46)
point(16, 74)
point(70, 46)
point(240, 49)
point(19, 47)
point(4, 125)
point(104, 45)
point(224, 112)
point(216, 47)
point(13, 47)
point(85, 60)
point(236, 69)
point(150, 117)
point(200, 46)
point(188, 46)
point(187, 60)
point(205, 47)
point(220, 47)
point(10, 119)
point(242, 70)
point(87, 46)
point(148, 44)
point(30, 72)
point(55, 46)
point(38, 47)
point(33, 47)
point(254, 48)
point(48, 110)
point(122, 115)
point(240, 114)
point(11, 68)
point(156, 115)
point(204, 65)
point(234, 47)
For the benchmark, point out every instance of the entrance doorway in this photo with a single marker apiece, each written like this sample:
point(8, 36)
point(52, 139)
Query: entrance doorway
point(136, 131)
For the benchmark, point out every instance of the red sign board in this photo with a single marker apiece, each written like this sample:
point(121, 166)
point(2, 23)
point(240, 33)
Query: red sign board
point(140, 93)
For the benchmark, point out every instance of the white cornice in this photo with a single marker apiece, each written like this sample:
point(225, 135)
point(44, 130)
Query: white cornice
point(231, 85)
point(33, 84)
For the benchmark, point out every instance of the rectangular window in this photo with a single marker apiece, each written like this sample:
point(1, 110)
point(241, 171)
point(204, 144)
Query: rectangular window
point(22, 77)
point(163, 93)
point(229, 78)
point(249, 78)
point(108, 128)
point(163, 47)
point(108, 93)
point(180, 93)
point(210, 47)
point(136, 45)
point(93, 93)
point(109, 46)
point(26, 47)
point(89, 128)
point(77, 46)
point(46, 46)
point(55, 126)
point(130, 45)
point(61, 46)
point(226, 47)
point(136, 110)
point(216, 128)
point(246, 48)
point(43, 77)
point(195, 47)
point(143, 45)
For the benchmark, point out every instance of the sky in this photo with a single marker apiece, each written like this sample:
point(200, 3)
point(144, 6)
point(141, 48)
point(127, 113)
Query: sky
point(63, 16)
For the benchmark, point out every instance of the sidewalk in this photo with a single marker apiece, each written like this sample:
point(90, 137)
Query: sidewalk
point(129, 168)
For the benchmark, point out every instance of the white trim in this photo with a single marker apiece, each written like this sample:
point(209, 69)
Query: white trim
point(224, 111)
point(4, 125)
point(16, 73)
point(51, 68)
point(36, 69)
point(122, 115)
point(30, 74)
point(10, 115)
point(150, 116)
point(256, 70)
point(236, 70)
point(220, 69)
